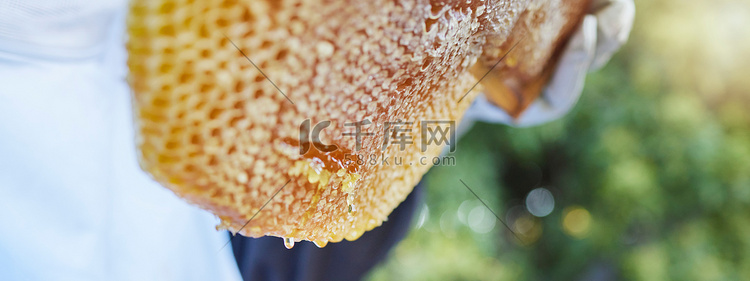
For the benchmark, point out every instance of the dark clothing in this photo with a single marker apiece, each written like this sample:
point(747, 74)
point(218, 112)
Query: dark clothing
point(266, 258)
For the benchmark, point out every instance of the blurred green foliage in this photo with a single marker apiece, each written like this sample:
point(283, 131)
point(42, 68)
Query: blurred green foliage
point(657, 151)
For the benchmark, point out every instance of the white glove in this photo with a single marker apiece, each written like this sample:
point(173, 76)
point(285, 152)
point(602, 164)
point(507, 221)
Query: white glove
point(604, 29)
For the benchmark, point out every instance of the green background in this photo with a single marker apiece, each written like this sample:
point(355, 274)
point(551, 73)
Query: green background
point(657, 151)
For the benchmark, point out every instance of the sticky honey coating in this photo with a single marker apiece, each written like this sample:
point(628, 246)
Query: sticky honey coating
point(538, 36)
point(214, 130)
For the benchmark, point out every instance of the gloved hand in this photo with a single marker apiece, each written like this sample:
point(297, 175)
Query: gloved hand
point(602, 32)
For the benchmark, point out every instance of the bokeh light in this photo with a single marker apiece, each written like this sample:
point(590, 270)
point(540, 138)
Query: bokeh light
point(481, 220)
point(576, 221)
point(540, 202)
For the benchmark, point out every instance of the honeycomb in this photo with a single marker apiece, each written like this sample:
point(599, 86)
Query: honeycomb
point(541, 31)
point(226, 136)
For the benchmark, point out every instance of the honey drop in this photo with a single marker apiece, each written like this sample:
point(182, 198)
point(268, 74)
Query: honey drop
point(289, 243)
point(321, 243)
